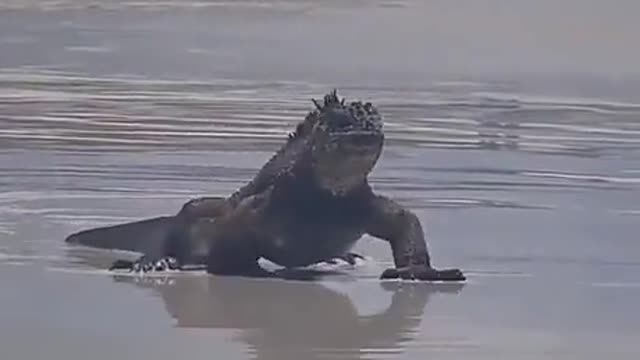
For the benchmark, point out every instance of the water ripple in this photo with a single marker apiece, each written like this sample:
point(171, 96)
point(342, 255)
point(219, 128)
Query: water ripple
point(70, 112)
point(66, 110)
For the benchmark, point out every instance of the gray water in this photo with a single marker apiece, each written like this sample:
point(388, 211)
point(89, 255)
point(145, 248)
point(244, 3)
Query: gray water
point(513, 132)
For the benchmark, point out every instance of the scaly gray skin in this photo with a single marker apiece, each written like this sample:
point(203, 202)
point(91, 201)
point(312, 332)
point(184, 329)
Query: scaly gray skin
point(310, 202)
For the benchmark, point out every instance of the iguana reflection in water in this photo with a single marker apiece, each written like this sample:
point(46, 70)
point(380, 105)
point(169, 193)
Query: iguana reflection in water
point(282, 320)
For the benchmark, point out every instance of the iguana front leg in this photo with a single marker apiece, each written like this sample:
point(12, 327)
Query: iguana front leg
point(388, 220)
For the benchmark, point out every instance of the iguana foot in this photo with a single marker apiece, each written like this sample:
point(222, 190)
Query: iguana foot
point(349, 258)
point(145, 264)
point(423, 273)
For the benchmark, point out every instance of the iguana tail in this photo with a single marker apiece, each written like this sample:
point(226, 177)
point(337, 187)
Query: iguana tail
point(146, 236)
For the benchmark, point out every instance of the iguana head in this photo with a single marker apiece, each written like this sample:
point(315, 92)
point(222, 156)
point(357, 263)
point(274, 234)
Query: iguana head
point(345, 142)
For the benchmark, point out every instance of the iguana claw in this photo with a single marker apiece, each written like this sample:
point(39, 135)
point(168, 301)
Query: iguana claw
point(423, 273)
point(145, 264)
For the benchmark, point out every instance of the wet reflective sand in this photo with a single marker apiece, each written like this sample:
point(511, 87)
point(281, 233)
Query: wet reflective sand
point(519, 150)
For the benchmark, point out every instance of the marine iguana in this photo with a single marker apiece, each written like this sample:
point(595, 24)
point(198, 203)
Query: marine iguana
point(309, 203)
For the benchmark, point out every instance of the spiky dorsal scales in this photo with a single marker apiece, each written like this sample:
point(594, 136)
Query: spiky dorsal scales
point(304, 127)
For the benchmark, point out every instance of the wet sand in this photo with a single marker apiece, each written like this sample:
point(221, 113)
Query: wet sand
point(517, 143)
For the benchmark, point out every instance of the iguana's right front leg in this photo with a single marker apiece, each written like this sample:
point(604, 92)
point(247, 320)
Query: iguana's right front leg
point(401, 228)
point(145, 264)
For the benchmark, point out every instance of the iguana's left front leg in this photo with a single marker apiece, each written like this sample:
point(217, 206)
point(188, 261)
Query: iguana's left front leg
point(388, 220)
point(179, 245)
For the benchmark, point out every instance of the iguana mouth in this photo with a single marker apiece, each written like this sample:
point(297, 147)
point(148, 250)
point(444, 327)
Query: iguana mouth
point(361, 138)
point(355, 143)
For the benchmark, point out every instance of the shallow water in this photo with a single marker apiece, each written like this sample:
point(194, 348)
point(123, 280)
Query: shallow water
point(522, 162)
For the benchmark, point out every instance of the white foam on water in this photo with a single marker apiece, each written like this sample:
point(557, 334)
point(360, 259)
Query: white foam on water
point(498, 274)
point(634, 285)
point(27, 196)
point(584, 177)
point(6, 228)
point(576, 139)
point(580, 129)
point(551, 102)
point(89, 49)
point(626, 212)
point(8, 257)
point(107, 272)
point(67, 138)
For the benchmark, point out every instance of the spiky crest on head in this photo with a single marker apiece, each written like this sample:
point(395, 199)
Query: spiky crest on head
point(363, 115)
point(305, 126)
